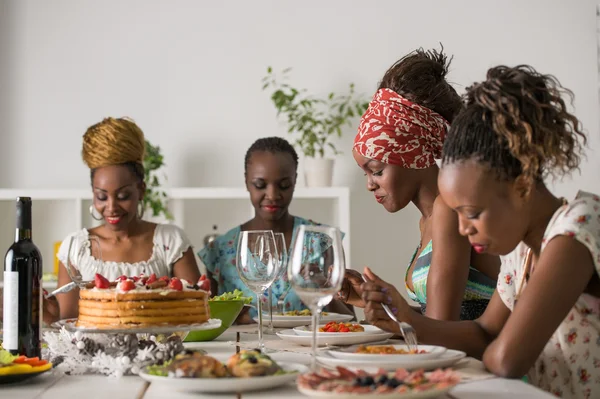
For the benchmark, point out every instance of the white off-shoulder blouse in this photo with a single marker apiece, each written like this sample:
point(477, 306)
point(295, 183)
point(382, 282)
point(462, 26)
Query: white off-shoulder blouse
point(170, 243)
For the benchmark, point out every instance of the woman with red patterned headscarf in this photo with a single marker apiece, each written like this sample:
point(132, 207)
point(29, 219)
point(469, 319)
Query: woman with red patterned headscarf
point(399, 138)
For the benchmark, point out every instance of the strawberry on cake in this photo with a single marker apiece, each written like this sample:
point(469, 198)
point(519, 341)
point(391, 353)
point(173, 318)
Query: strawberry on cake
point(142, 301)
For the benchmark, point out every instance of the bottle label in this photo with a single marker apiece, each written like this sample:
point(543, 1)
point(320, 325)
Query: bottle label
point(11, 311)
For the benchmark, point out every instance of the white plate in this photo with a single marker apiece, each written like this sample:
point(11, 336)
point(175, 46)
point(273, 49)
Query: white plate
point(282, 321)
point(307, 331)
point(228, 385)
point(333, 339)
point(432, 393)
point(447, 359)
point(349, 353)
point(69, 324)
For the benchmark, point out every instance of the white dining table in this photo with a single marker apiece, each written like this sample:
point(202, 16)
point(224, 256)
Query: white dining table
point(57, 385)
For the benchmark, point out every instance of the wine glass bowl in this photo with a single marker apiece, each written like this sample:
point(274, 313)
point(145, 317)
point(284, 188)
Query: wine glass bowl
point(282, 260)
point(257, 266)
point(316, 269)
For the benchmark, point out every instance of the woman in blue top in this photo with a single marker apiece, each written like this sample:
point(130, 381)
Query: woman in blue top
point(271, 165)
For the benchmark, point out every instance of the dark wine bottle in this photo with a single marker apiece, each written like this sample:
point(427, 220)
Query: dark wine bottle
point(22, 319)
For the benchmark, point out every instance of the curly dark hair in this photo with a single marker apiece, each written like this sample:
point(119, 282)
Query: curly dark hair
point(517, 122)
point(420, 77)
point(271, 144)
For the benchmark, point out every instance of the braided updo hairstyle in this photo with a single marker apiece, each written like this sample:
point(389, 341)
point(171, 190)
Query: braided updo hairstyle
point(517, 123)
point(114, 142)
point(420, 77)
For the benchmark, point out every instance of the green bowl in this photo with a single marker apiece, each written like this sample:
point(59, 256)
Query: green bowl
point(226, 311)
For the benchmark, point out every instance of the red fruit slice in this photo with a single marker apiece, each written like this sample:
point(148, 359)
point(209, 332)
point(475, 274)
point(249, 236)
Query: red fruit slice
point(101, 282)
point(176, 284)
point(202, 278)
point(164, 278)
point(204, 285)
point(151, 279)
point(121, 278)
point(127, 285)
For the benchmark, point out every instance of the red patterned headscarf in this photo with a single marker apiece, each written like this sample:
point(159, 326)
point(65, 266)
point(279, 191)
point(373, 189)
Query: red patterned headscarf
point(397, 131)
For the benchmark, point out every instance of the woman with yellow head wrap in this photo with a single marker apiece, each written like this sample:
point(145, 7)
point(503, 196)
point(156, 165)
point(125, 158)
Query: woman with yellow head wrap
point(114, 151)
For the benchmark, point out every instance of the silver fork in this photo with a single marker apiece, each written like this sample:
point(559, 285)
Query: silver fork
point(407, 331)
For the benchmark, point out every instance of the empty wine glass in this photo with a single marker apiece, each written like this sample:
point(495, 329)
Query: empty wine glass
point(257, 266)
point(282, 259)
point(316, 269)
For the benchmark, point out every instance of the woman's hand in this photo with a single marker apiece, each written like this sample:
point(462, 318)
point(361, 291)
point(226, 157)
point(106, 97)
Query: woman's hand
point(351, 292)
point(375, 292)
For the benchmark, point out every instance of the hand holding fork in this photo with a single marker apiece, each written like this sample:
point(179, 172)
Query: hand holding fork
point(375, 291)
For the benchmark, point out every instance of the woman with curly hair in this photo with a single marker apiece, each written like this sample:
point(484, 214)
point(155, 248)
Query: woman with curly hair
point(399, 138)
point(114, 151)
point(544, 318)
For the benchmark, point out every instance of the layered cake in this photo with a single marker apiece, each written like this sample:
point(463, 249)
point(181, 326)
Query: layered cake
point(143, 301)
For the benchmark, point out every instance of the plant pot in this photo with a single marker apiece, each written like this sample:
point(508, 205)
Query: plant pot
point(318, 172)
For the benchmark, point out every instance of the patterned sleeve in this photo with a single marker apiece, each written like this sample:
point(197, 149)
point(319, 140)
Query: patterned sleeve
point(580, 219)
point(510, 272)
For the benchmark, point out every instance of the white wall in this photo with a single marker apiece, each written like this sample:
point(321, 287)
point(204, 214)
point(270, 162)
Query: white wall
point(189, 73)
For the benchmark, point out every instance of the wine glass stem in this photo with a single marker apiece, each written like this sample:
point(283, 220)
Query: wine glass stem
point(270, 308)
point(315, 327)
point(261, 345)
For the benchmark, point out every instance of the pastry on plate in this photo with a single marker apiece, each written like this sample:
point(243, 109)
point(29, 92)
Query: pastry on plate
point(196, 365)
point(252, 363)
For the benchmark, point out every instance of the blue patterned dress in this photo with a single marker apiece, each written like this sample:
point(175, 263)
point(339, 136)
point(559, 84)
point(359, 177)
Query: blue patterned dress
point(219, 257)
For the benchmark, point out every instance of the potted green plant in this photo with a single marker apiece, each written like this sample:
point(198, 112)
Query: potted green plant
point(316, 121)
point(155, 199)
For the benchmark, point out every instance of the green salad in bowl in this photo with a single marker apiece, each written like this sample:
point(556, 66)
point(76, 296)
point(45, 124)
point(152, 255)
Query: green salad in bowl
point(225, 307)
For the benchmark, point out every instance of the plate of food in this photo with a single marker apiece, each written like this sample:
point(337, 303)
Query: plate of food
point(296, 318)
point(446, 359)
point(328, 339)
point(339, 328)
point(248, 370)
point(382, 384)
point(20, 368)
point(388, 352)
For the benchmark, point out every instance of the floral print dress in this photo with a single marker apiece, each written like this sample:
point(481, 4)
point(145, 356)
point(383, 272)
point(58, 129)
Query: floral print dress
point(219, 257)
point(569, 365)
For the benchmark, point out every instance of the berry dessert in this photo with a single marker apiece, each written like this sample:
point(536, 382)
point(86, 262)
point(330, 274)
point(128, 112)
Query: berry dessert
point(363, 383)
point(143, 301)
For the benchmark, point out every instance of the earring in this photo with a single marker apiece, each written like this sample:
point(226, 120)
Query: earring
point(141, 212)
point(92, 209)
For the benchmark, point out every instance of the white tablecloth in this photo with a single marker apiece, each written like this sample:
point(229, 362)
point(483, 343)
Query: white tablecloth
point(54, 385)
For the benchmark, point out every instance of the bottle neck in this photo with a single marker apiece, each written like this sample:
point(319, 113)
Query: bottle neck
point(22, 234)
point(23, 231)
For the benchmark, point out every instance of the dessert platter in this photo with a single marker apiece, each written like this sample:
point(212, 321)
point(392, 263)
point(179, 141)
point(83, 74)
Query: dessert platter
point(129, 323)
point(296, 318)
point(248, 370)
point(390, 357)
point(335, 334)
point(143, 304)
point(401, 383)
